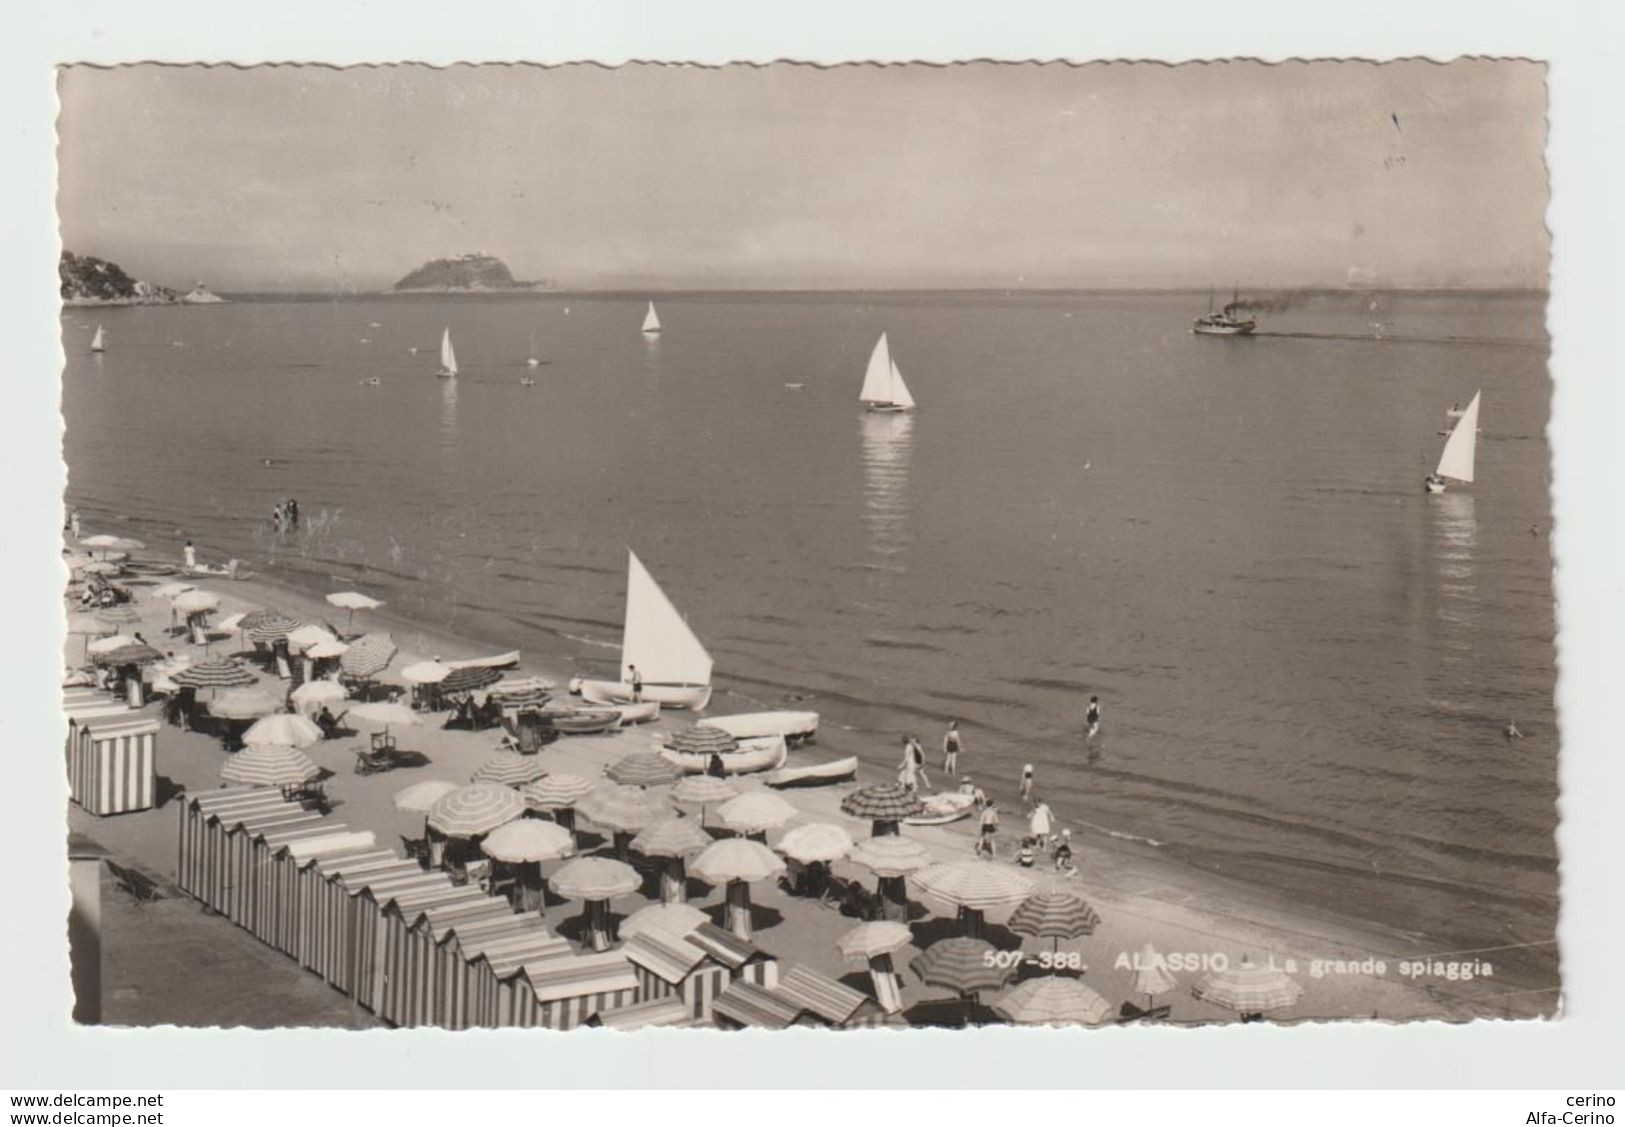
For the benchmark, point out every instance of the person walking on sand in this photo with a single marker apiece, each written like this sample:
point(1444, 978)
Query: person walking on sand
point(1041, 822)
point(989, 827)
point(636, 678)
point(917, 751)
point(1091, 717)
point(908, 771)
point(1027, 782)
point(950, 749)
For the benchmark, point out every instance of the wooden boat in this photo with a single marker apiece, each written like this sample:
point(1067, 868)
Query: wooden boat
point(941, 809)
point(765, 754)
point(674, 664)
point(496, 661)
point(795, 727)
point(821, 774)
point(1456, 460)
point(581, 721)
point(883, 386)
point(640, 713)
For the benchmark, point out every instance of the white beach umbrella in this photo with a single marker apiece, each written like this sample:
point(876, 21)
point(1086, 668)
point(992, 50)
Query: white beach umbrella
point(304, 637)
point(196, 602)
point(282, 729)
point(312, 695)
point(425, 673)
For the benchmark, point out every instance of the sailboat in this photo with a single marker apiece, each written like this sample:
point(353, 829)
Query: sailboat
point(883, 386)
point(674, 665)
point(97, 344)
point(448, 358)
point(651, 322)
point(1459, 450)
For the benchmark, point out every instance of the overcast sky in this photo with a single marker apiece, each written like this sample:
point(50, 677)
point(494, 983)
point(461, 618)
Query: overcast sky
point(791, 176)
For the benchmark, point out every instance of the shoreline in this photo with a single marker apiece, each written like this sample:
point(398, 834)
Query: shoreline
point(1142, 895)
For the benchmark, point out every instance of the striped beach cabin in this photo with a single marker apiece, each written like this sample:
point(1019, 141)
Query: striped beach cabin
point(745, 961)
point(562, 993)
point(457, 966)
point(113, 762)
point(493, 972)
point(747, 1005)
point(669, 965)
point(824, 1001)
point(202, 868)
point(369, 931)
point(412, 933)
point(331, 886)
point(270, 903)
point(300, 877)
point(247, 861)
point(670, 1012)
point(284, 923)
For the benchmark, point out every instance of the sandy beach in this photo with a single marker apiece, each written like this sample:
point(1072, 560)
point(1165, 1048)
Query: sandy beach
point(1140, 898)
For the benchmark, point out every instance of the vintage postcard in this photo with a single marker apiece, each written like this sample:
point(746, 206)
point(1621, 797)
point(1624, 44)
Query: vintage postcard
point(773, 546)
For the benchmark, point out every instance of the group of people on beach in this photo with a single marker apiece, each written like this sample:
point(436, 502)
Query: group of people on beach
point(285, 515)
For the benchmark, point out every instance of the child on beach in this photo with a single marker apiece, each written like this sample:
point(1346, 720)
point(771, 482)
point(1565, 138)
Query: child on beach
point(990, 826)
point(1063, 854)
point(1027, 782)
point(1025, 857)
point(950, 749)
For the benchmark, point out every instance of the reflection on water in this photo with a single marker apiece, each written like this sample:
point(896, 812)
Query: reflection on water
point(448, 416)
point(888, 443)
point(1455, 548)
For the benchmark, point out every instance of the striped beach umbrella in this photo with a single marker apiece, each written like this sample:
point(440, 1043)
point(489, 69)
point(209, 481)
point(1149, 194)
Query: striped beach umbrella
point(755, 812)
point(509, 769)
point(816, 843)
point(737, 862)
point(1052, 1000)
point(874, 943)
point(621, 808)
point(978, 885)
point(425, 673)
point(521, 692)
point(884, 804)
point(965, 966)
point(269, 766)
point(558, 791)
point(891, 856)
point(118, 617)
point(703, 741)
point(641, 769)
point(420, 797)
point(368, 656)
point(702, 790)
point(120, 650)
point(216, 673)
point(1249, 989)
point(1054, 915)
point(595, 881)
point(475, 809)
point(282, 729)
point(239, 704)
point(673, 919)
point(672, 840)
point(528, 841)
point(270, 627)
point(469, 678)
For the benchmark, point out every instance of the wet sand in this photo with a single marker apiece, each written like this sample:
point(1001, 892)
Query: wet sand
point(1140, 898)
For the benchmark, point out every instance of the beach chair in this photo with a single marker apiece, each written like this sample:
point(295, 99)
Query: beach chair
point(137, 884)
point(372, 762)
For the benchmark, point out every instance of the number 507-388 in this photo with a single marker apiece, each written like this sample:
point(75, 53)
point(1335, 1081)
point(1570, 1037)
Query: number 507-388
point(1048, 960)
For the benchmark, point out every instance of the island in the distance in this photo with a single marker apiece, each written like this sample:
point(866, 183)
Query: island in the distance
point(468, 273)
point(88, 280)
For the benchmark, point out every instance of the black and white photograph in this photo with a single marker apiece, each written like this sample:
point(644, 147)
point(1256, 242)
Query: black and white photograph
point(851, 547)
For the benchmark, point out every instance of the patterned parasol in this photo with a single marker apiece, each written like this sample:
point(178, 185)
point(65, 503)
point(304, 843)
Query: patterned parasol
point(755, 812)
point(819, 841)
point(475, 809)
point(558, 791)
point(117, 617)
point(1053, 1000)
point(419, 798)
point(891, 856)
point(368, 656)
point(271, 627)
point(882, 802)
point(595, 878)
point(469, 678)
point(216, 673)
point(641, 769)
point(962, 965)
point(269, 766)
point(624, 809)
point(672, 837)
point(703, 789)
point(282, 729)
point(1249, 989)
point(516, 692)
point(674, 919)
point(509, 769)
point(878, 937)
point(1054, 915)
point(703, 741)
point(128, 652)
point(737, 859)
point(978, 885)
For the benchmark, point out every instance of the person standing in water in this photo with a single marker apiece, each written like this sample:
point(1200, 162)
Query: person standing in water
point(989, 828)
point(950, 749)
point(1091, 717)
point(1027, 782)
point(916, 751)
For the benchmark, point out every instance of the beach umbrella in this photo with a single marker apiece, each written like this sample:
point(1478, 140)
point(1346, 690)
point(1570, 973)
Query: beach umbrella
point(105, 543)
point(270, 627)
point(87, 624)
point(974, 887)
point(509, 769)
point(382, 714)
point(117, 617)
point(623, 811)
point(528, 841)
point(516, 692)
point(559, 790)
point(133, 653)
point(891, 857)
point(269, 765)
point(816, 843)
point(641, 769)
point(333, 648)
point(110, 643)
point(171, 590)
point(1052, 1000)
point(312, 695)
point(1248, 989)
point(475, 809)
point(302, 638)
point(353, 601)
point(673, 919)
point(368, 656)
point(1054, 915)
point(1151, 975)
point(703, 789)
point(884, 804)
point(283, 729)
point(196, 602)
point(672, 839)
point(703, 741)
point(238, 704)
point(425, 673)
point(737, 862)
point(253, 618)
point(755, 812)
point(100, 567)
point(874, 943)
point(234, 621)
point(469, 678)
point(595, 881)
point(964, 965)
point(420, 797)
point(216, 673)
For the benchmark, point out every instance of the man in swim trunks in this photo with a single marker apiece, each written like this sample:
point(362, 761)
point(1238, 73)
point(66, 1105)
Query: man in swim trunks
point(950, 749)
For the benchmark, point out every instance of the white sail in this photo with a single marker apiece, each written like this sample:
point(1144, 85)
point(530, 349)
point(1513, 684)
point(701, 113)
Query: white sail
point(96, 341)
point(877, 381)
point(651, 322)
point(1460, 448)
point(899, 389)
point(448, 358)
point(655, 637)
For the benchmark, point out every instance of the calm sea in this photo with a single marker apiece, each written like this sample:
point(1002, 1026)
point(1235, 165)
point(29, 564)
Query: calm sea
point(1305, 663)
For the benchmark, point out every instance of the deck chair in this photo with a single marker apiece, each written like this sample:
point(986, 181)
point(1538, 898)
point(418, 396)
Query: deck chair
point(372, 762)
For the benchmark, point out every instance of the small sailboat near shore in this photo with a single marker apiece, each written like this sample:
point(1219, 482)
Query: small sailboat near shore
point(883, 386)
point(98, 343)
point(448, 358)
point(670, 659)
point(651, 322)
point(1460, 451)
